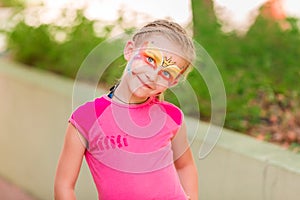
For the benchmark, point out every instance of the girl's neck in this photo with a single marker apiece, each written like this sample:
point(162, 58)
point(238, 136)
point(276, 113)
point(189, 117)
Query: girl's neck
point(122, 94)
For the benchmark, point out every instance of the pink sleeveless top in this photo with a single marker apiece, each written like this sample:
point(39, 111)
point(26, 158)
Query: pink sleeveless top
point(129, 150)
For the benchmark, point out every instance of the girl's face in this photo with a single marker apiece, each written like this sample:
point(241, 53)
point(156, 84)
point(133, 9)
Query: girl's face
point(153, 66)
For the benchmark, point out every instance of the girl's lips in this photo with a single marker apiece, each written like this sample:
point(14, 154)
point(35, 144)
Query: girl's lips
point(145, 84)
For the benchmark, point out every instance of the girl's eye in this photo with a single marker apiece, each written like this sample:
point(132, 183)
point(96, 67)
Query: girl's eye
point(150, 60)
point(166, 74)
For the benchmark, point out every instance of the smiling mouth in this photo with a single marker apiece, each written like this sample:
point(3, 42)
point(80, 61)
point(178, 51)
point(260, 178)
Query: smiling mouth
point(145, 84)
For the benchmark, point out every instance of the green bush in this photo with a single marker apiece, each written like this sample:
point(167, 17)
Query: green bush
point(256, 68)
point(37, 46)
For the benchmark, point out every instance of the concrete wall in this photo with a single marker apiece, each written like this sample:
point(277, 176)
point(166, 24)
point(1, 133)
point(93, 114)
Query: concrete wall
point(34, 109)
point(240, 167)
point(35, 106)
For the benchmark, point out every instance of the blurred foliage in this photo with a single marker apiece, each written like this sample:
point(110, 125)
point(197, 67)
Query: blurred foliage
point(262, 63)
point(59, 49)
point(256, 68)
point(12, 3)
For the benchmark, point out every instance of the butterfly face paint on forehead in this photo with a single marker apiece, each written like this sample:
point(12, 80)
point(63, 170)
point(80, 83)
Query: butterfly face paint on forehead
point(154, 58)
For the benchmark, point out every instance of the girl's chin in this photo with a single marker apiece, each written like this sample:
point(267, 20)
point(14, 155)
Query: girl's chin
point(141, 95)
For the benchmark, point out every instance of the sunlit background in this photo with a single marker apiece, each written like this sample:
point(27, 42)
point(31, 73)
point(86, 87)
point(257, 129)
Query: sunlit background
point(234, 15)
point(237, 13)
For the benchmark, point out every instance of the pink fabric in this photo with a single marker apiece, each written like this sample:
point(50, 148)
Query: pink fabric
point(129, 148)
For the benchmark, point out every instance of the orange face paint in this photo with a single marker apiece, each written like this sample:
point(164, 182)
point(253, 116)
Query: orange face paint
point(154, 58)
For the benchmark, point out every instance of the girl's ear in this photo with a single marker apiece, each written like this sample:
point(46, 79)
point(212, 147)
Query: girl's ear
point(128, 50)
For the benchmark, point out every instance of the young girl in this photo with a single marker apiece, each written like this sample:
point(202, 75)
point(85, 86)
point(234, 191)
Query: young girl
point(135, 144)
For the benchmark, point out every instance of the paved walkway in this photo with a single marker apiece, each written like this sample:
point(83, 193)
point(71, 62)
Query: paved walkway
point(9, 191)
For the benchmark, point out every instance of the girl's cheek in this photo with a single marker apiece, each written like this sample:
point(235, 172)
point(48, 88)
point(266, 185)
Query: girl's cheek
point(131, 66)
point(161, 87)
point(138, 66)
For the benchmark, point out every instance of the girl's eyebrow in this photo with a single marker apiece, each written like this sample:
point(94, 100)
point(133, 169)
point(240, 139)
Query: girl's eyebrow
point(156, 57)
point(155, 54)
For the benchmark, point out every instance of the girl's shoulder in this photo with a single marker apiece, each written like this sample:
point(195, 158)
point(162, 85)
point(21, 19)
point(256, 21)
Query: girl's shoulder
point(94, 107)
point(173, 111)
point(84, 116)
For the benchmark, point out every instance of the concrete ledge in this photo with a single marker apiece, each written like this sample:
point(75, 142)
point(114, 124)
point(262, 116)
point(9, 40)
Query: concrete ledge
point(35, 106)
point(240, 167)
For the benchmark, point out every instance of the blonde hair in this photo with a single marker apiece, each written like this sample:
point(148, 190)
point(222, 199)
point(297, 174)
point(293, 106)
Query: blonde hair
point(174, 32)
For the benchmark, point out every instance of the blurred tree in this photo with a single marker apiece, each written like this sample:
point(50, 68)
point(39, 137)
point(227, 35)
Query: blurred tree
point(204, 20)
point(260, 70)
point(12, 3)
point(273, 9)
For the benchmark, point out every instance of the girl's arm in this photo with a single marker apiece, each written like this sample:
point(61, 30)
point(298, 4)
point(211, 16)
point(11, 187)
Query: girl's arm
point(69, 165)
point(184, 163)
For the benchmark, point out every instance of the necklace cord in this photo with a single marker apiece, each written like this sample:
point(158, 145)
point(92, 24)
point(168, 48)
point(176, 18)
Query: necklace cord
point(112, 94)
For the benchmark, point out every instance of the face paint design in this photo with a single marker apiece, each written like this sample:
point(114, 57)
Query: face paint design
point(154, 58)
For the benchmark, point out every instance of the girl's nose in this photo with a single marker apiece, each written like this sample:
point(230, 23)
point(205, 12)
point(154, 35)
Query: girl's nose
point(152, 75)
